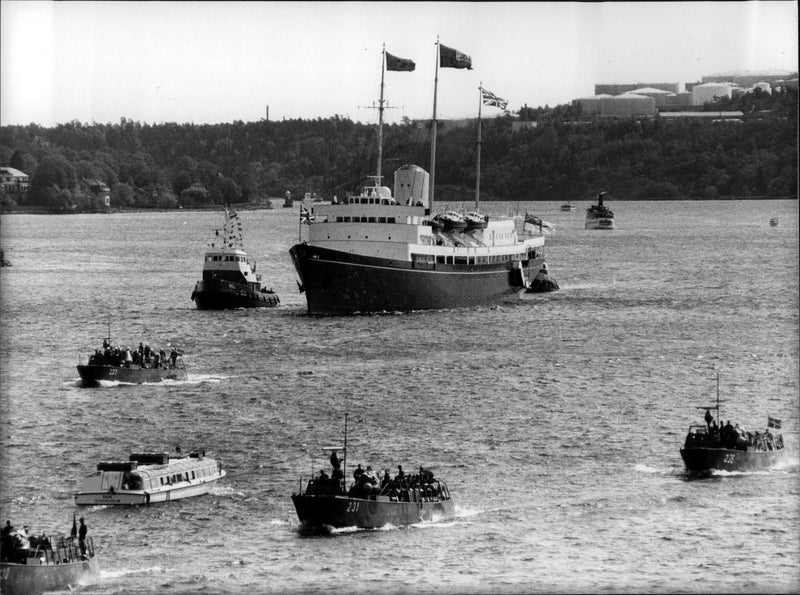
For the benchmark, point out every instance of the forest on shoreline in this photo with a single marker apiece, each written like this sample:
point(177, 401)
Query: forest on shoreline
point(563, 156)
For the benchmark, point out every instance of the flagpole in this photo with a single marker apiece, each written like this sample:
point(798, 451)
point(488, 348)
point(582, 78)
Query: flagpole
point(380, 116)
point(433, 131)
point(478, 151)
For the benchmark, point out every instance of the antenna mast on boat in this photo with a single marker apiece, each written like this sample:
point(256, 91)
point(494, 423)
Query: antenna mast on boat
point(344, 459)
point(478, 149)
point(433, 131)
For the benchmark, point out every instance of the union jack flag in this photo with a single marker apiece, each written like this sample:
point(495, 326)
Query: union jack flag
point(773, 423)
point(490, 98)
point(306, 216)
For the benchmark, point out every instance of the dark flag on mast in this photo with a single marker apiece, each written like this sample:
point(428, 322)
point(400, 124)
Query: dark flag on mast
point(74, 532)
point(450, 58)
point(399, 64)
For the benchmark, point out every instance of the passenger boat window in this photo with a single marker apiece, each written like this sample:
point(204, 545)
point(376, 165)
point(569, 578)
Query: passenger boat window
point(440, 259)
point(460, 260)
point(162, 480)
point(390, 220)
point(192, 474)
point(371, 220)
point(381, 219)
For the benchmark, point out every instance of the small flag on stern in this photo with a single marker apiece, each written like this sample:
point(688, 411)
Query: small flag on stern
point(450, 58)
point(306, 216)
point(490, 98)
point(773, 423)
point(399, 64)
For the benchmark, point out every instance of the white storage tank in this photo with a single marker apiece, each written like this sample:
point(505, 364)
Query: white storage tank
point(628, 104)
point(411, 185)
point(710, 92)
point(659, 95)
point(763, 86)
point(591, 105)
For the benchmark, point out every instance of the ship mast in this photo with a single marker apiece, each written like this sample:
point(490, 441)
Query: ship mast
point(433, 131)
point(380, 117)
point(478, 150)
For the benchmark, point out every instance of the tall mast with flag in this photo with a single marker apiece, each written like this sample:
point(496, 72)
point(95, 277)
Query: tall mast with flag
point(391, 63)
point(486, 98)
point(445, 58)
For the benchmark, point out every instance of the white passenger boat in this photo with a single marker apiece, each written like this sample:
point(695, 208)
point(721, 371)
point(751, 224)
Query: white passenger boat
point(150, 477)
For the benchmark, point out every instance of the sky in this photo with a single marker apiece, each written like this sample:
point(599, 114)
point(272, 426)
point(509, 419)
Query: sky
point(212, 62)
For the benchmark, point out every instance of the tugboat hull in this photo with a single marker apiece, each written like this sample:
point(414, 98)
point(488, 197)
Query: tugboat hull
point(338, 282)
point(705, 460)
point(341, 511)
point(91, 375)
point(225, 295)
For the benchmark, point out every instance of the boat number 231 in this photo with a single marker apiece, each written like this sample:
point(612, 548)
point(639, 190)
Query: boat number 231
point(352, 506)
point(729, 458)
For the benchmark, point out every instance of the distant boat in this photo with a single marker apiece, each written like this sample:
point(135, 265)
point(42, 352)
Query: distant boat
point(35, 564)
point(3, 261)
point(714, 447)
point(130, 365)
point(773, 222)
point(229, 276)
point(150, 477)
point(599, 216)
point(371, 501)
point(568, 206)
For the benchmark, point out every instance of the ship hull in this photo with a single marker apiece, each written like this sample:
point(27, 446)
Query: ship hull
point(91, 375)
point(341, 511)
point(19, 579)
point(337, 282)
point(225, 295)
point(599, 224)
point(705, 460)
point(142, 497)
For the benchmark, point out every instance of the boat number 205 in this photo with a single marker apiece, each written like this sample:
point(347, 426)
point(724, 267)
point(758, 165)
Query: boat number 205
point(729, 458)
point(352, 506)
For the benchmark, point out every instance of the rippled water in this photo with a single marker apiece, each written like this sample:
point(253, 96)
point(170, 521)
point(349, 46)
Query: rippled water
point(556, 421)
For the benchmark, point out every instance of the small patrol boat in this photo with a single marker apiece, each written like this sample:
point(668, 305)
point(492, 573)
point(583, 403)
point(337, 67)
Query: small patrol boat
point(150, 477)
point(599, 216)
point(229, 276)
point(371, 501)
point(132, 366)
point(35, 564)
point(717, 447)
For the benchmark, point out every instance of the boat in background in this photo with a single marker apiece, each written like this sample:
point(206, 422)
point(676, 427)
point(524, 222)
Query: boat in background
point(568, 206)
point(371, 501)
point(599, 216)
point(132, 366)
point(384, 251)
point(714, 447)
point(773, 222)
point(151, 477)
point(3, 261)
point(229, 276)
point(35, 564)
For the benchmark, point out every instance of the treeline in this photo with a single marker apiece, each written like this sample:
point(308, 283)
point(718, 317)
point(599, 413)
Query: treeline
point(566, 156)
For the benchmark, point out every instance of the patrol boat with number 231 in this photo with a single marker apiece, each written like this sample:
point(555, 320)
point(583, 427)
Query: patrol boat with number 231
point(370, 503)
point(380, 251)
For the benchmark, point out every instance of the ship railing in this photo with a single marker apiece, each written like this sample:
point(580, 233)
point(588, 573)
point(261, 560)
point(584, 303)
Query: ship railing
point(62, 550)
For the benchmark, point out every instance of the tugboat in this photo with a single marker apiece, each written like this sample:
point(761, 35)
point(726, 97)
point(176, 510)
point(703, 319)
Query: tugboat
point(371, 501)
point(150, 477)
point(542, 283)
point(229, 276)
point(34, 564)
point(384, 251)
point(599, 216)
point(132, 366)
point(718, 447)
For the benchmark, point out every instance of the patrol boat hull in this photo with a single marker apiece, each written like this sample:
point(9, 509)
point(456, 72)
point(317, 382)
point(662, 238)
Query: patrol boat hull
point(19, 579)
point(706, 460)
point(337, 282)
point(342, 511)
point(226, 295)
point(92, 374)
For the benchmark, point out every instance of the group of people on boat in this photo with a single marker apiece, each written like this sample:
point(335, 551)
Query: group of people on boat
point(737, 438)
point(403, 487)
point(17, 545)
point(144, 357)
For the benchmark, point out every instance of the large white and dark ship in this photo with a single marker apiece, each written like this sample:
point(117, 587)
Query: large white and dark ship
point(388, 250)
